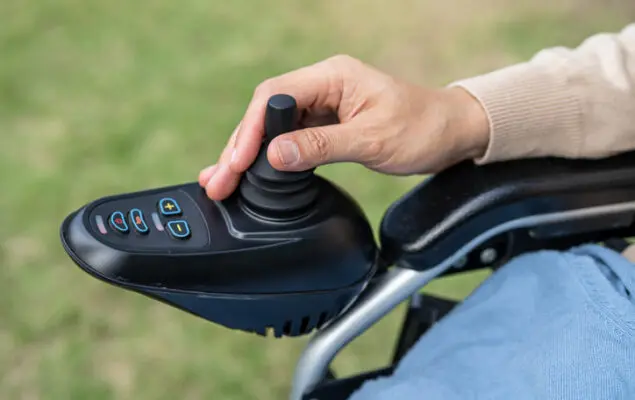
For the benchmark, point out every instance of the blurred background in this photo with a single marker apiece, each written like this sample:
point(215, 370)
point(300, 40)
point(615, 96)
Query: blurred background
point(106, 96)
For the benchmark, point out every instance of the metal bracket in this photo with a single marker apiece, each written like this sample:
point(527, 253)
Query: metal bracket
point(395, 286)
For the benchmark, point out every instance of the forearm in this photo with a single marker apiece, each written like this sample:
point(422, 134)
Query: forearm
point(574, 103)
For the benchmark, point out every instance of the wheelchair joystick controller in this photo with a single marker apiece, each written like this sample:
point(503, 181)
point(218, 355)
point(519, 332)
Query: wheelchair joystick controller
point(286, 253)
point(274, 194)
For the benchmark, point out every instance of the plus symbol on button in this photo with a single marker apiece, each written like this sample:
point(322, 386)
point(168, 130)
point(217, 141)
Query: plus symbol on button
point(169, 206)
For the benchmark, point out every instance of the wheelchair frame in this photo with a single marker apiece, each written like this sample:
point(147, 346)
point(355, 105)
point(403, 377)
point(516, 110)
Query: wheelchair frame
point(522, 206)
point(422, 313)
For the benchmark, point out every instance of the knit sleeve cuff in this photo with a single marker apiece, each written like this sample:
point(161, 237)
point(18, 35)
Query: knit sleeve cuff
point(532, 112)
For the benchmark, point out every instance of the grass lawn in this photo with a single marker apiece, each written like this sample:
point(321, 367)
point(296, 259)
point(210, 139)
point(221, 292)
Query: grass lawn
point(106, 96)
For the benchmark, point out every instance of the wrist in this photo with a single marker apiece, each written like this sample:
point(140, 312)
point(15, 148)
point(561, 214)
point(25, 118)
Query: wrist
point(467, 123)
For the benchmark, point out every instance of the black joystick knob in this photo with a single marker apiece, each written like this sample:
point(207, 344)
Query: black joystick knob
point(268, 192)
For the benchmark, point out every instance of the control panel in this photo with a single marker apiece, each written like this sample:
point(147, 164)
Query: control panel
point(286, 251)
point(170, 219)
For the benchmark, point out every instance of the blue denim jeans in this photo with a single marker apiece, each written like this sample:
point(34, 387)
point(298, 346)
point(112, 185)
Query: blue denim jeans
point(549, 325)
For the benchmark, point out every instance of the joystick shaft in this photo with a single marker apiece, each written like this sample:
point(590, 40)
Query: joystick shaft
point(268, 192)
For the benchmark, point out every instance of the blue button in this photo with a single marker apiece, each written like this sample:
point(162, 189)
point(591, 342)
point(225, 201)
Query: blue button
point(179, 229)
point(169, 206)
point(137, 220)
point(118, 222)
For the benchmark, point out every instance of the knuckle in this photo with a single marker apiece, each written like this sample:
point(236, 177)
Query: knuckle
point(342, 70)
point(342, 59)
point(319, 143)
point(264, 88)
point(372, 152)
point(344, 64)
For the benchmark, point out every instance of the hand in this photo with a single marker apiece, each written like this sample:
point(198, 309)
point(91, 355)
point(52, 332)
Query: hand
point(353, 112)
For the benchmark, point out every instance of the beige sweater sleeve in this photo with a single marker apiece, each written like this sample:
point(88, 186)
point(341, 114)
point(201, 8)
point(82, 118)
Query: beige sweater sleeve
point(573, 103)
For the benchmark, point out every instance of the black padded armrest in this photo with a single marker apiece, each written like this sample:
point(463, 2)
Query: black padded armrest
point(516, 206)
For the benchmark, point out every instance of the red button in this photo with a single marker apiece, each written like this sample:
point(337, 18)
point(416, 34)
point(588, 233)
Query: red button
point(118, 222)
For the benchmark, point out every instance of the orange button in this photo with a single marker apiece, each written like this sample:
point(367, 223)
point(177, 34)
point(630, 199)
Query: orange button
point(136, 219)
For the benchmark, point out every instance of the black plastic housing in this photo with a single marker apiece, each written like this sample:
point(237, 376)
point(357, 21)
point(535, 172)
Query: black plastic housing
point(435, 219)
point(235, 269)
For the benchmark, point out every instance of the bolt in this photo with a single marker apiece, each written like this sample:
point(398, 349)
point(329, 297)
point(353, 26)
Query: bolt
point(488, 256)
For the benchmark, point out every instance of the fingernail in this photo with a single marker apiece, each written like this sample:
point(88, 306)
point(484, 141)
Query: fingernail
point(232, 160)
point(288, 152)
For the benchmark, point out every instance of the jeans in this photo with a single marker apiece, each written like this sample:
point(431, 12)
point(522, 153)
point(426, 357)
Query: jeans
point(549, 325)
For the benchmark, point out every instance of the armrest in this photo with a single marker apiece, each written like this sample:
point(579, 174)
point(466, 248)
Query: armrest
point(514, 206)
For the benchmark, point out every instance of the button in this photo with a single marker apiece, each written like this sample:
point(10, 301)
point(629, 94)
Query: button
point(118, 222)
point(179, 229)
point(136, 218)
point(169, 206)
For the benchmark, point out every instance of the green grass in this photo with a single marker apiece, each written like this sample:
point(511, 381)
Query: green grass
point(99, 97)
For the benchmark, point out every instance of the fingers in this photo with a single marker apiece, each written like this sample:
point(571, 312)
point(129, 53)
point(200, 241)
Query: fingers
point(223, 183)
point(219, 180)
point(319, 85)
point(311, 147)
point(206, 174)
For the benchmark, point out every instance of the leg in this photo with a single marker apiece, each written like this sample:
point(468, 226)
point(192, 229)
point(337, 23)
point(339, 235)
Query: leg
point(550, 325)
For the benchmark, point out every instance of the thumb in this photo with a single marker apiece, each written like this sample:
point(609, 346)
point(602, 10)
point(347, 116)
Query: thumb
point(308, 148)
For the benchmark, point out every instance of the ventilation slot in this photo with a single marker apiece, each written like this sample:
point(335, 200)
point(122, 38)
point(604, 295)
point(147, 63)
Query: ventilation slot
point(305, 324)
point(286, 329)
point(321, 320)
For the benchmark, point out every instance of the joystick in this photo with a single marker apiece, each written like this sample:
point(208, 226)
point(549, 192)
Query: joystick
point(269, 193)
point(286, 253)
